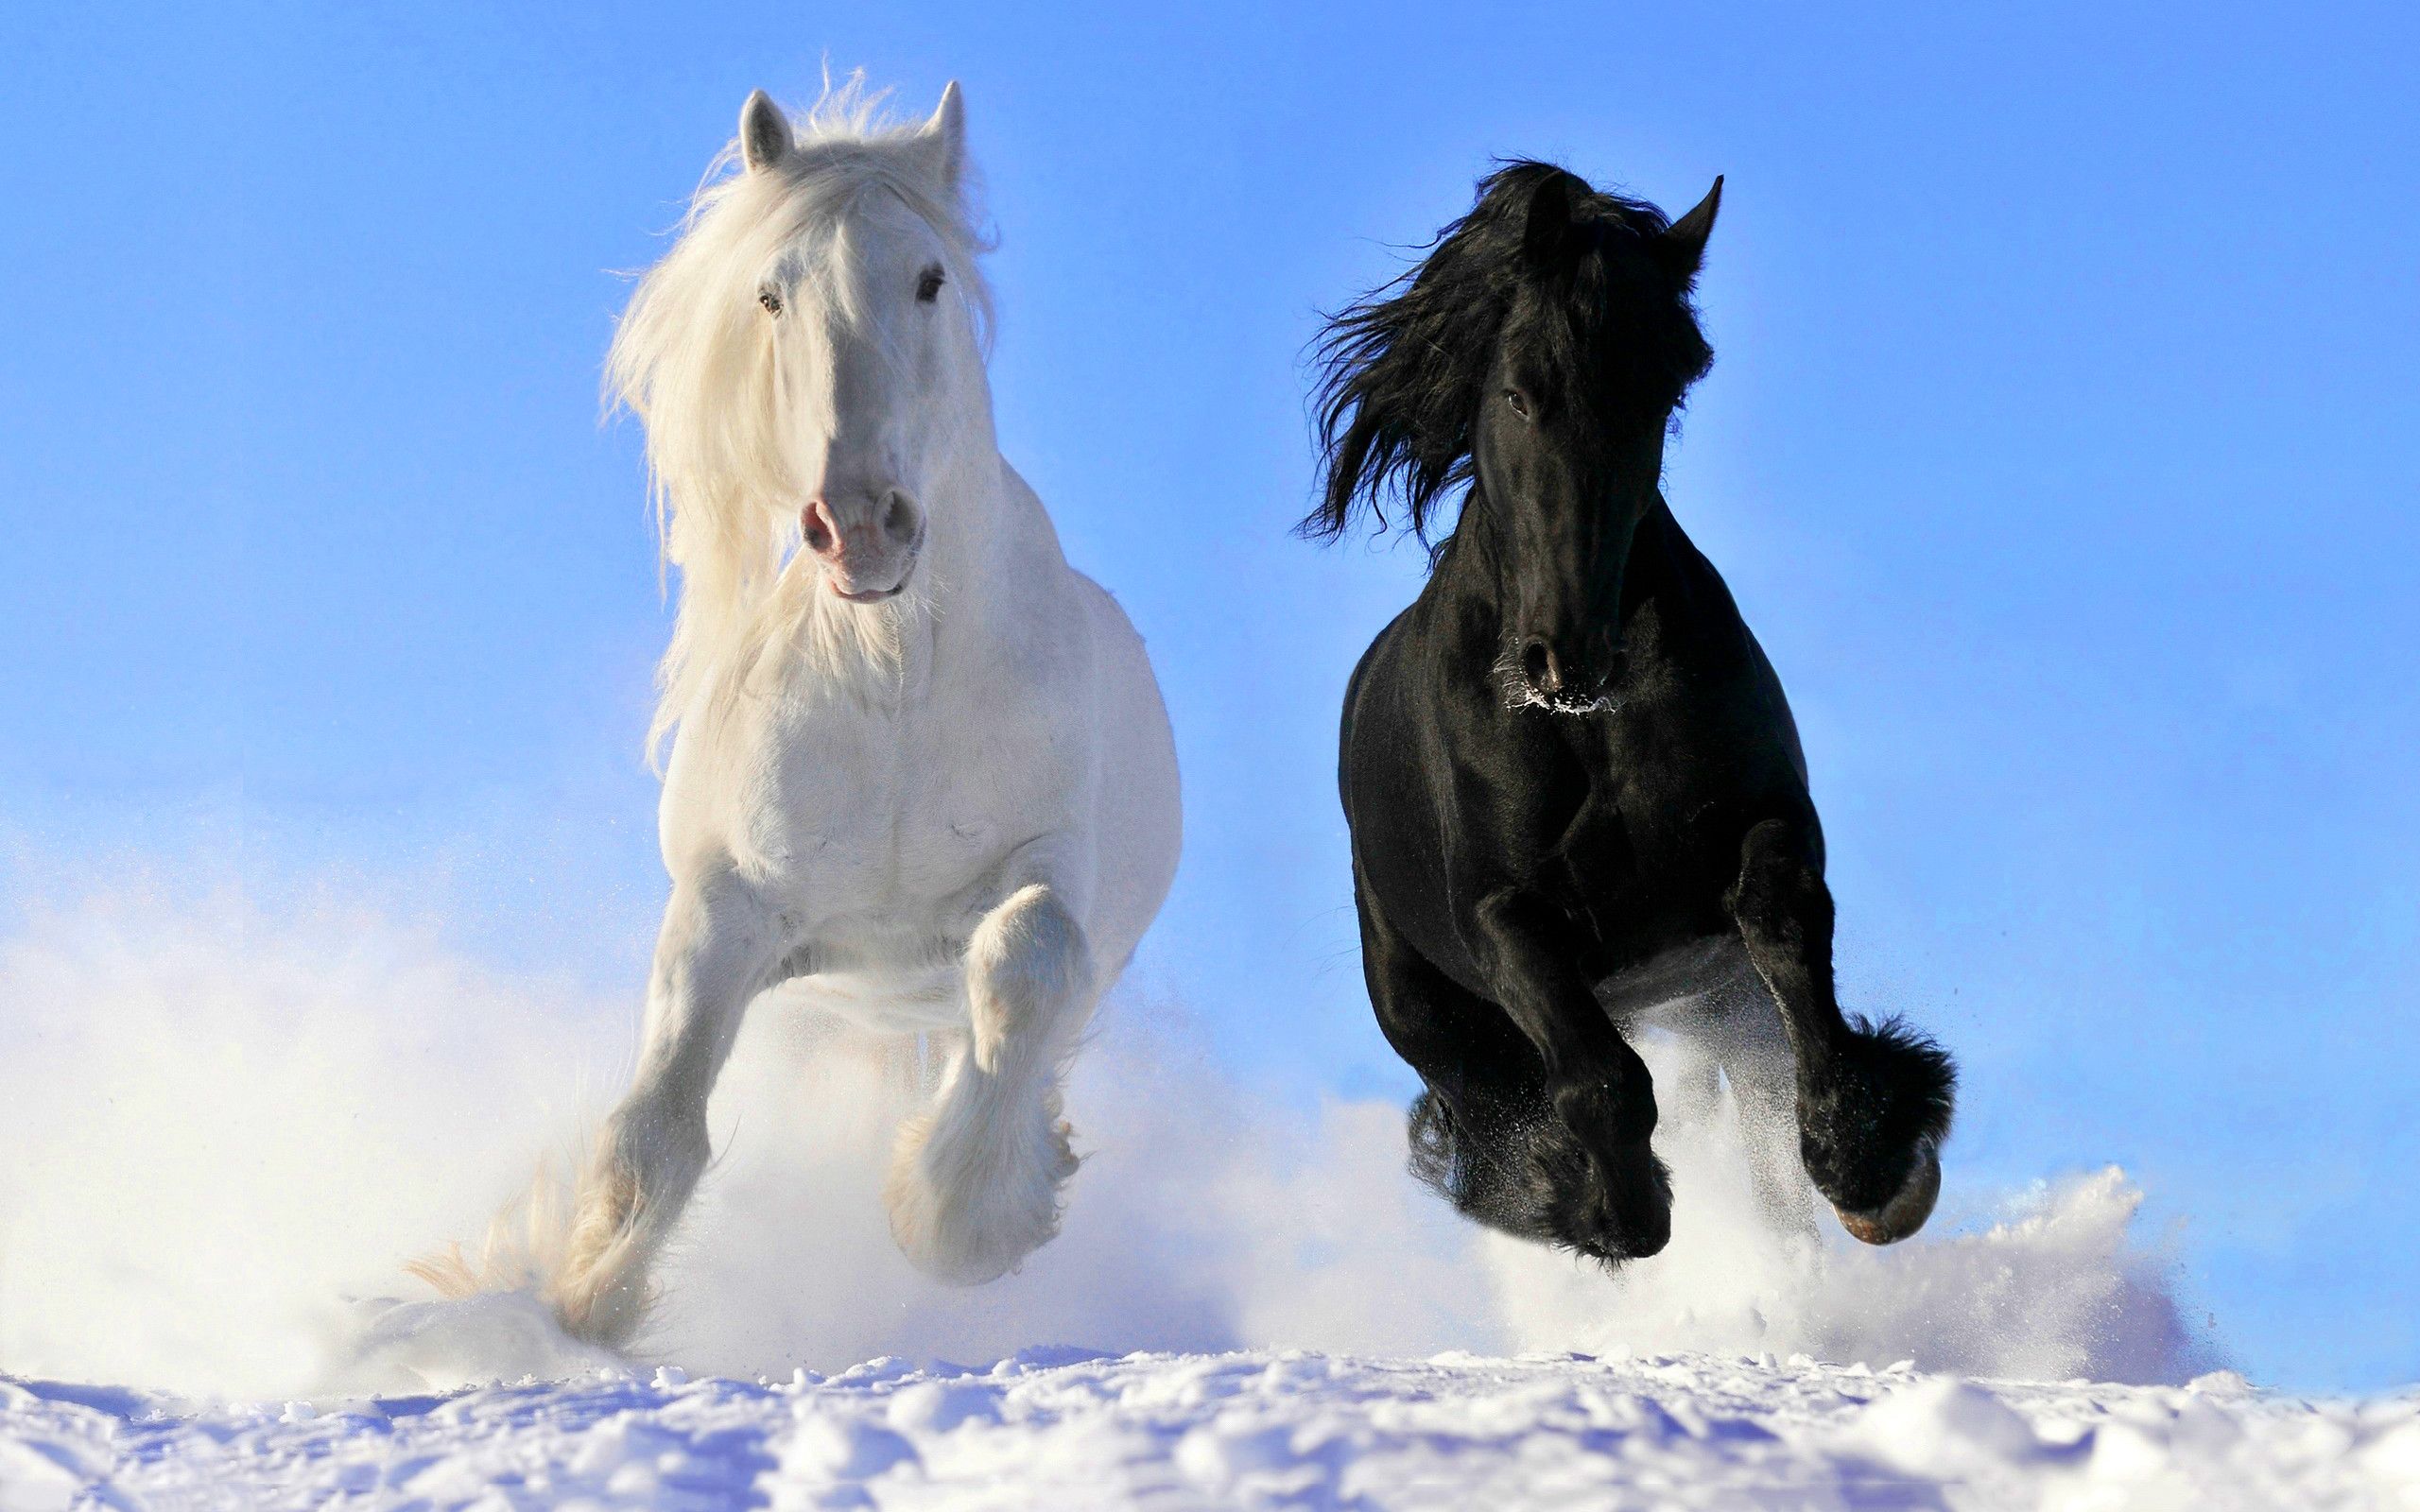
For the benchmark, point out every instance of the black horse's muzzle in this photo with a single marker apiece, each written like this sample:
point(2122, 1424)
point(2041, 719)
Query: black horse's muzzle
point(1573, 678)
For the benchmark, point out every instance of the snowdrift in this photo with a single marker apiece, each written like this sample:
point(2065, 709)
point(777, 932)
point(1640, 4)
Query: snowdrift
point(1043, 1429)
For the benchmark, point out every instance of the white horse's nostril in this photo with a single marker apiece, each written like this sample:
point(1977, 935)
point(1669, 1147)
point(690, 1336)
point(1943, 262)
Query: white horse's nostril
point(823, 536)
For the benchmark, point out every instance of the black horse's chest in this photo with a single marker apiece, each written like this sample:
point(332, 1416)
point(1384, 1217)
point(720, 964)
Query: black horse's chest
point(1626, 821)
point(1632, 860)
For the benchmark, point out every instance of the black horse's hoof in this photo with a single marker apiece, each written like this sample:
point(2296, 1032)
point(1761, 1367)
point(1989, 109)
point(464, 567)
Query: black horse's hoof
point(1615, 1206)
point(1904, 1213)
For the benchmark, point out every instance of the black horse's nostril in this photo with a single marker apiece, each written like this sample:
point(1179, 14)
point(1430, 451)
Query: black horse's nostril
point(1541, 666)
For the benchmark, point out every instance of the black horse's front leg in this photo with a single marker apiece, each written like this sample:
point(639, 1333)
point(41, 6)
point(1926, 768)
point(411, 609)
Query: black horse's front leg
point(1616, 1200)
point(1874, 1101)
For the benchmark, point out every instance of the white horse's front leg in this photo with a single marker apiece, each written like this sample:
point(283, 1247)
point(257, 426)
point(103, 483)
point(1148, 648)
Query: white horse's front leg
point(974, 1184)
point(716, 950)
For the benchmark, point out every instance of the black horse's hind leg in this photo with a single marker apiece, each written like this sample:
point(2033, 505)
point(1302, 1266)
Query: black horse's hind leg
point(1490, 1134)
point(1874, 1101)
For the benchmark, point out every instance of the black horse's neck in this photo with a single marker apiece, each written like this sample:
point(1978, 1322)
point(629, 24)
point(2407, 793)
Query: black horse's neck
point(1468, 580)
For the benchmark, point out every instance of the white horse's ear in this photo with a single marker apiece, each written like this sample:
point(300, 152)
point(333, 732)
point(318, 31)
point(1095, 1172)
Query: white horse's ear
point(764, 132)
point(945, 135)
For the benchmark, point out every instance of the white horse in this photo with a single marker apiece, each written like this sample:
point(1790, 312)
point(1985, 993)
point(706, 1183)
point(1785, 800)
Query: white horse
point(920, 768)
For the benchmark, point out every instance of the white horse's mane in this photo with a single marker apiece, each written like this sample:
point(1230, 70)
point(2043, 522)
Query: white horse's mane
point(693, 359)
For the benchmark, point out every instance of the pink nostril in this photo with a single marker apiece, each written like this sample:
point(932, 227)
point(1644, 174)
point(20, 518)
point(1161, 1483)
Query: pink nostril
point(823, 536)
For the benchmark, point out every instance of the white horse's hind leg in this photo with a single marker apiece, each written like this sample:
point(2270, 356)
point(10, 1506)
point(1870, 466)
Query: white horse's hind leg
point(715, 952)
point(974, 1184)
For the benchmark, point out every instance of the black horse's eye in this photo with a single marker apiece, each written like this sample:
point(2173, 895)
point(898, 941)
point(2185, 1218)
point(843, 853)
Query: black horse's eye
point(770, 299)
point(928, 285)
point(1520, 404)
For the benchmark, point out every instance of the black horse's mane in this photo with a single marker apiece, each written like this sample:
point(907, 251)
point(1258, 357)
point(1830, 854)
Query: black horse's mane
point(1401, 368)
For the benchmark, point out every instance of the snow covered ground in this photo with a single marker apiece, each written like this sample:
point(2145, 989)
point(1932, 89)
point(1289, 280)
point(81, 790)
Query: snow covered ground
point(1253, 1428)
point(221, 1126)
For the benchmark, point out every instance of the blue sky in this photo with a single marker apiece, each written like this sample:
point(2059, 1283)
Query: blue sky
point(2060, 447)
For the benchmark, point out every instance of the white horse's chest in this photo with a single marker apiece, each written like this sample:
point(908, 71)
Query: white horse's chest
point(864, 822)
point(870, 814)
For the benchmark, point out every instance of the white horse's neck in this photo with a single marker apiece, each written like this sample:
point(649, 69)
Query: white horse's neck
point(880, 657)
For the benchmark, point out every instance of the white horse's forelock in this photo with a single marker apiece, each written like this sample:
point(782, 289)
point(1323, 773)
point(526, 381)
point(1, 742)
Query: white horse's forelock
point(693, 360)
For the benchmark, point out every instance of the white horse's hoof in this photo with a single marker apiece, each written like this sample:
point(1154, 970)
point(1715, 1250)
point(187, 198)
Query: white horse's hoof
point(450, 1344)
point(968, 1216)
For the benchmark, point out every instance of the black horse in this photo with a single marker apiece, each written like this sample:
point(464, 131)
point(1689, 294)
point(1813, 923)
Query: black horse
point(1575, 790)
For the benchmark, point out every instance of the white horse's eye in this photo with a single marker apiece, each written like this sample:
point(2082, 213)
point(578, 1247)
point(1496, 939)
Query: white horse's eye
point(770, 299)
point(928, 285)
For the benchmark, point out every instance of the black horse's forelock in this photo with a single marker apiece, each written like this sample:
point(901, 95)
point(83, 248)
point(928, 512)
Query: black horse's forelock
point(1401, 369)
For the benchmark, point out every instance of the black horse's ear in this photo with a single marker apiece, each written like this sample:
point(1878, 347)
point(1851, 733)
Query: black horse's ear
point(1683, 245)
point(1547, 231)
